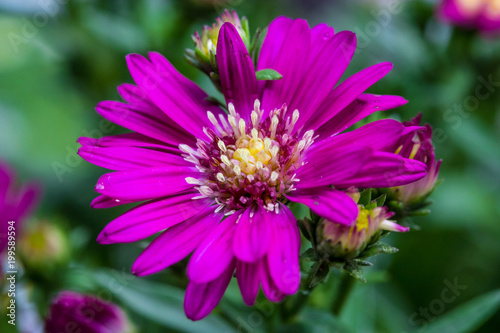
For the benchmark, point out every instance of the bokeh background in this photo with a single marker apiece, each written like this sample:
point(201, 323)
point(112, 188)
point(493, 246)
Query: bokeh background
point(59, 58)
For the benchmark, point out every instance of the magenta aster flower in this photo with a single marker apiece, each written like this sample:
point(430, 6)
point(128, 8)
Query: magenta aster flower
point(74, 312)
point(15, 205)
point(219, 183)
point(418, 146)
point(480, 14)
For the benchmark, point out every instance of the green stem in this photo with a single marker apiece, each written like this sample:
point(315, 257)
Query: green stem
point(343, 291)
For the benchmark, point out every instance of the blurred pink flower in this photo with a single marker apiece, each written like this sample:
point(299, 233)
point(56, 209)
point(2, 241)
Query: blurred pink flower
point(74, 312)
point(483, 15)
point(15, 205)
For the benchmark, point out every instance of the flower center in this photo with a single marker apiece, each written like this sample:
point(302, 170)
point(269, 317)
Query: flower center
point(247, 163)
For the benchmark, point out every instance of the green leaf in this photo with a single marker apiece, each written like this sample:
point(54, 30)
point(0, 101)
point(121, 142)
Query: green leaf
point(468, 317)
point(268, 74)
point(158, 302)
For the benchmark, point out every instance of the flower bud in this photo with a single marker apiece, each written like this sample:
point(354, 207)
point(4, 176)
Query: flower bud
point(341, 242)
point(418, 146)
point(204, 54)
point(207, 42)
point(74, 312)
point(43, 245)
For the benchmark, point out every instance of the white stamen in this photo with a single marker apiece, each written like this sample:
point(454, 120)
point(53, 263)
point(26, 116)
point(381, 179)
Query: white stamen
point(255, 133)
point(274, 176)
point(207, 191)
point(250, 178)
point(255, 118)
point(231, 109)
point(222, 146)
point(274, 126)
point(193, 181)
point(214, 121)
point(295, 117)
point(274, 151)
point(221, 177)
point(242, 127)
point(226, 160)
point(267, 143)
point(232, 122)
point(237, 170)
point(270, 207)
point(259, 165)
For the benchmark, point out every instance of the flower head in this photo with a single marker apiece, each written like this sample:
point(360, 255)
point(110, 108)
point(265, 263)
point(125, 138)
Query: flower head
point(15, 205)
point(207, 42)
point(418, 146)
point(71, 311)
point(217, 184)
point(43, 245)
point(480, 14)
point(343, 242)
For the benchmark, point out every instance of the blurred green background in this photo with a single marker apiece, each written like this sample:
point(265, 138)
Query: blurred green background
point(58, 59)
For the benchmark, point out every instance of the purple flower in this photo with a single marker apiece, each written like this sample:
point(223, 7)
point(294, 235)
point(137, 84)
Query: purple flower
point(219, 183)
point(479, 14)
point(418, 146)
point(74, 312)
point(15, 205)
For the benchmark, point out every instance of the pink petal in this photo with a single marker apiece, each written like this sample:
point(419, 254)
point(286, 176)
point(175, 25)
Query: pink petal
point(286, 50)
point(103, 201)
point(253, 234)
point(151, 217)
point(149, 122)
point(180, 99)
point(360, 108)
point(346, 93)
point(331, 204)
point(269, 287)
point(237, 73)
point(324, 71)
point(283, 254)
point(385, 170)
point(215, 253)
point(202, 298)
point(248, 276)
point(175, 243)
point(327, 164)
point(129, 158)
point(147, 183)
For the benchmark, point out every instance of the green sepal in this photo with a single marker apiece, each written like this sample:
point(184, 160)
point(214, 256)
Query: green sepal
point(355, 271)
point(365, 197)
point(361, 262)
point(306, 229)
point(309, 255)
point(386, 248)
point(268, 74)
point(381, 200)
point(214, 76)
point(319, 271)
